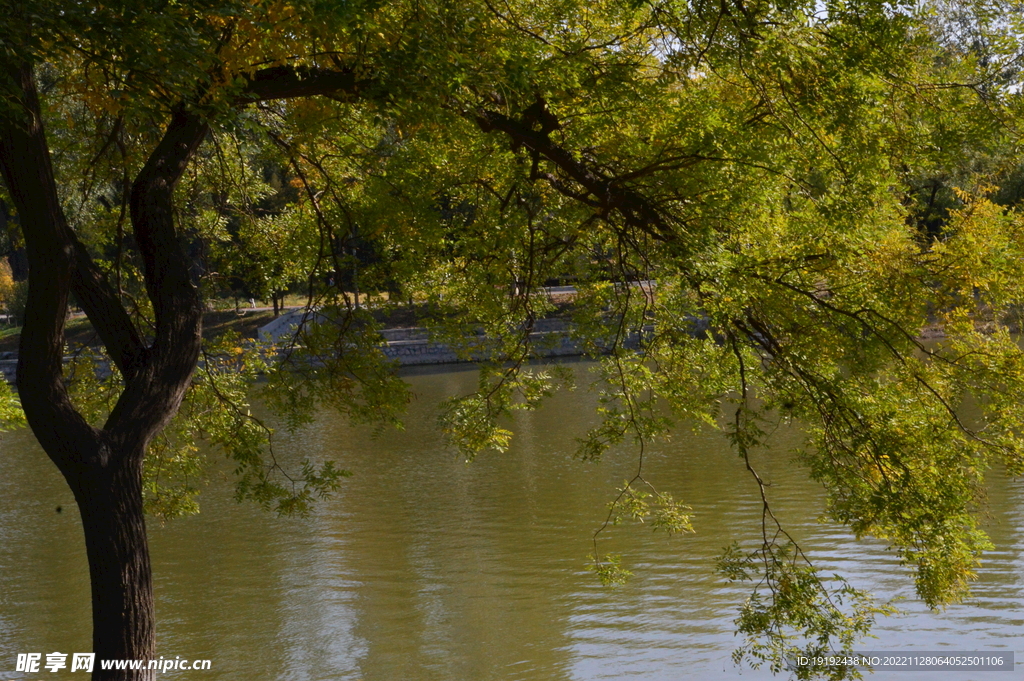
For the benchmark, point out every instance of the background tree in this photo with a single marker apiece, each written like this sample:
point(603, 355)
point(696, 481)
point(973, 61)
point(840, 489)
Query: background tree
point(7, 290)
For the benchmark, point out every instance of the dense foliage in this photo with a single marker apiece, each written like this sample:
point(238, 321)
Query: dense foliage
point(760, 205)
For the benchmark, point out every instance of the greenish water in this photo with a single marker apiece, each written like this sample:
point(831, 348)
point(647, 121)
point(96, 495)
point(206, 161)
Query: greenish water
point(425, 568)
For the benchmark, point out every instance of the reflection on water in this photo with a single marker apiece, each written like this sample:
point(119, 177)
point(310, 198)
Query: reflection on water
point(426, 568)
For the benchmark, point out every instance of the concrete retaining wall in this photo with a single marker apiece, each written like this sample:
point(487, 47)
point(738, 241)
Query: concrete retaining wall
point(407, 346)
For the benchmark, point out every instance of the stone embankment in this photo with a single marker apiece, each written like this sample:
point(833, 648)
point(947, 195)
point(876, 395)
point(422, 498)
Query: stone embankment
point(413, 346)
point(407, 346)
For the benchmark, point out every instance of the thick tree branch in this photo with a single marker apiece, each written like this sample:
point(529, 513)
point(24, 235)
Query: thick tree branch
point(151, 400)
point(108, 316)
point(285, 82)
point(50, 245)
point(608, 193)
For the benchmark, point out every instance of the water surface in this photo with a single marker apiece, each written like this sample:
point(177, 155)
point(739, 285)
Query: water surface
point(425, 568)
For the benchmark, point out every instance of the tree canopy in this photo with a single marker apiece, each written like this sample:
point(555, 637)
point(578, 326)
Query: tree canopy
point(745, 196)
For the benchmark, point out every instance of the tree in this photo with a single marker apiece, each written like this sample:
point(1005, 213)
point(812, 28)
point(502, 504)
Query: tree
point(104, 466)
point(753, 160)
point(7, 287)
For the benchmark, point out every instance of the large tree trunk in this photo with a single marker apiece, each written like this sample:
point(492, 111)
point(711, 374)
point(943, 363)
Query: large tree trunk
point(110, 501)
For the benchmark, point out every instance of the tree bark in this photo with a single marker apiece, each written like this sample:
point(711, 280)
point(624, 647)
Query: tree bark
point(110, 501)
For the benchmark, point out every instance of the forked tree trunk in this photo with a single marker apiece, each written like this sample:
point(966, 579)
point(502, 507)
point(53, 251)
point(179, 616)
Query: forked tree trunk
point(103, 467)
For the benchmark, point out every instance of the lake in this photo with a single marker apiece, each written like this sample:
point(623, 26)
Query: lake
point(424, 567)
